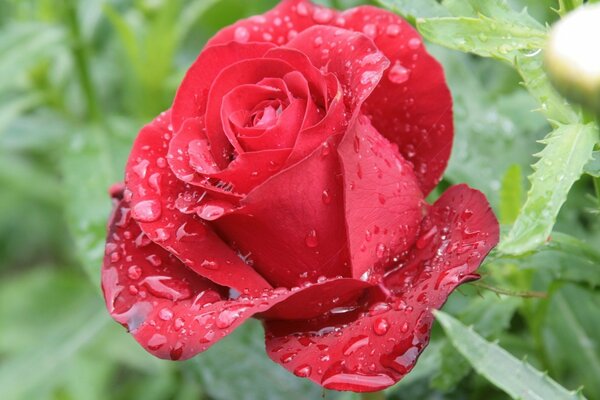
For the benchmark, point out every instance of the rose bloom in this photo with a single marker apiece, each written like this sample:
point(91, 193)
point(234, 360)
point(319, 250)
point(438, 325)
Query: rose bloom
point(287, 183)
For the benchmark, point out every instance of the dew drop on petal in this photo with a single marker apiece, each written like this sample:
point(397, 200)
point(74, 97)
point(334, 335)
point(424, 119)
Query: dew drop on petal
point(414, 43)
point(146, 211)
point(393, 30)
point(381, 326)
point(241, 34)
point(311, 239)
point(303, 371)
point(156, 341)
point(134, 272)
point(398, 73)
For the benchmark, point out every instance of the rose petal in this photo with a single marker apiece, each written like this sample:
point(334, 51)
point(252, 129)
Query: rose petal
point(276, 26)
point(172, 312)
point(192, 95)
point(153, 191)
point(244, 72)
point(351, 56)
point(411, 105)
point(382, 200)
point(291, 223)
point(372, 348)
point(241, 175)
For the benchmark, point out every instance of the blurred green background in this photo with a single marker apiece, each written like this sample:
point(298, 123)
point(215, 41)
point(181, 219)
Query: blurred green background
point(77, 81)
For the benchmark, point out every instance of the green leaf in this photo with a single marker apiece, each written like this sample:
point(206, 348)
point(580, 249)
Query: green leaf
point(23, 45)
point(566, 6)
point(484, 36)
point(511, 194)
point(561, 163)
point(411, 10)
point(517, 378)
point(564, 258)
point(89, 169)
point(593, 166)
point(570, 337)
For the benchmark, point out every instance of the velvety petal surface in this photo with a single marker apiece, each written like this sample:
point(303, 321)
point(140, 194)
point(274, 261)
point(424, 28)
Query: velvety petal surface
point(291, 224)
point(412, 105)
point(170, 310)
point(192, 95)
point(373, 345)
point(382, 200)
point(153, 190)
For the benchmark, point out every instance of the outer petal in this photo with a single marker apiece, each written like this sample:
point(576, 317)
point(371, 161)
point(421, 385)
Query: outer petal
point(153, 191)
point(412, 105)
point(382, 200)
point(172, 312)
point(291, 223)
point(278, 25)
point(371, 348)
point(192, 95)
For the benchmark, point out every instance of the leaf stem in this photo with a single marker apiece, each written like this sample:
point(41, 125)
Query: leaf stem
point(81, 56)
point(513, 293)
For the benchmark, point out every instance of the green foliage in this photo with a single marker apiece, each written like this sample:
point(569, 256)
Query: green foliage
point(79, 79)
point(517, 378)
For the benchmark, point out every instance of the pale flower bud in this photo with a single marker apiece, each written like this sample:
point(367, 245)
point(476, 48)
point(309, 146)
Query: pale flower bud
point(572, 56)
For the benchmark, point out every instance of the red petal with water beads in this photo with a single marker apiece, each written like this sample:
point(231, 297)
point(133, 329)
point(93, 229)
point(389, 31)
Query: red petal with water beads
point(192, 95)
point(153, 191)
point(278, 26)
point(192, 162)
point(371, 347)
point(382, 200)
point(291, 223)
point(412, 105)
point(170, 310)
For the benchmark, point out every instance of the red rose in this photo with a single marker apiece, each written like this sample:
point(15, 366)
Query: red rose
point(287, 182)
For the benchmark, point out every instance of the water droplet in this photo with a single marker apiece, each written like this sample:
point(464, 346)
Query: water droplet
point(141, 168)
point(154, 260)
point(368, 235)
point(303, 371)
point(241, 34)
point(380, 250)
point(381, 326)
point(371, 77)
point(398, 74)
point(176, 352)
point(302, 9)
point(311, 239)
point(393, 30)
point(414, 43)
point(134, 272)
point(287, 357)
point(207, 337)
point(326, 197)
point(426, 238)
point(179, 323)
point(213, 265)
point(404, 327)
point(378, 308)
point(165, 314)
point(357, 382)
point(381, 198)
point(318, 42)
point(226, 318)
point(167, 287)
point(322, 15)
point(211, 212)
point(146, 211)
point(156, 342)
point(355, 344)
point(370, 30)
